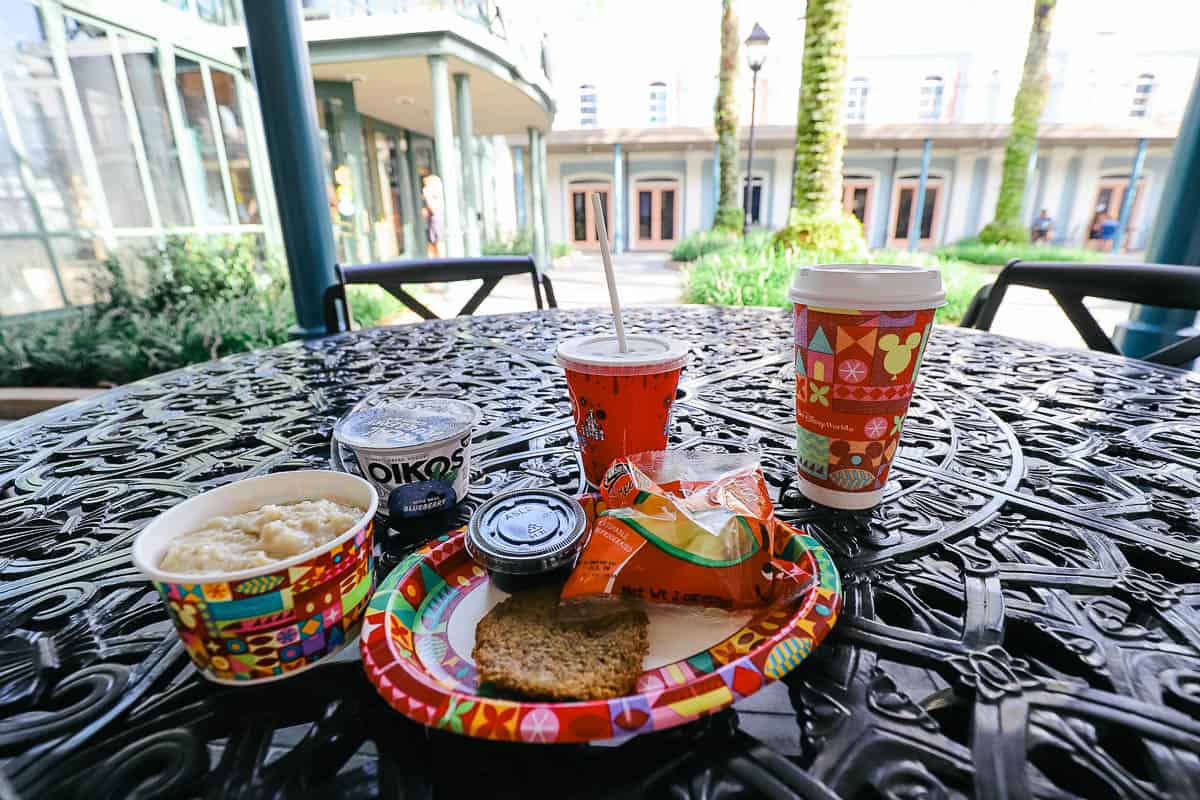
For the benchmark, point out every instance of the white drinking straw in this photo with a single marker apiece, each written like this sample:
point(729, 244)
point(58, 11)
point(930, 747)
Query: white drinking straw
point(606, 256)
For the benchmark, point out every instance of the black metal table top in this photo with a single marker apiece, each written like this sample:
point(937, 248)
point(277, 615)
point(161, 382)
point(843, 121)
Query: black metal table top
point(1022, 614)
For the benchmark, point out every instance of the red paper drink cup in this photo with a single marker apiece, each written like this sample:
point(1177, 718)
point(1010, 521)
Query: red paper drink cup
point(621, 402)
point(860, 331)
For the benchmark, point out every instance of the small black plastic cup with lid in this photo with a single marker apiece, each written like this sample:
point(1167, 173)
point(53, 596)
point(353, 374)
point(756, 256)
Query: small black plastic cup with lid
point(527, 537)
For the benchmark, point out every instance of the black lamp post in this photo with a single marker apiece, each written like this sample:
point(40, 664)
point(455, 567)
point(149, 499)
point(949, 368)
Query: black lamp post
point(756, 56)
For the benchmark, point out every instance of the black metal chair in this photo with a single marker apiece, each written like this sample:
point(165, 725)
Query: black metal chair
point(393, 275)
point(1167, 285)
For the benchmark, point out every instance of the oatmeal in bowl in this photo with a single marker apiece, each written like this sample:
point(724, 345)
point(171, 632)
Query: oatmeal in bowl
point(264, 577)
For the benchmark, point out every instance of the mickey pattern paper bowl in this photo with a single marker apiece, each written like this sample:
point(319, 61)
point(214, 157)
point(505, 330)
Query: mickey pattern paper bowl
point(262, 624)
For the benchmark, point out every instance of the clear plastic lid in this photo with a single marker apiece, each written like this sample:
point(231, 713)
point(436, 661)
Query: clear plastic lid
point(603, 354)
point(384, 423)
point(877, 287)
point(527, 531)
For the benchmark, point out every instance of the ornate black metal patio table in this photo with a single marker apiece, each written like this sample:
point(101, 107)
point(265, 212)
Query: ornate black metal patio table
point(1022, 614)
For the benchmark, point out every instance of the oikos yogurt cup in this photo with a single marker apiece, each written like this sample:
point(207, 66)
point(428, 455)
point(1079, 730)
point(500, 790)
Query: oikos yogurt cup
point(860, 334)
point(621, 401)
point(416, 451)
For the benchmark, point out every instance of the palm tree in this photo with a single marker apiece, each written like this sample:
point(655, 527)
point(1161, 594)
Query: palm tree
point(816, 219)
point(729, 212)
point(1022, 134)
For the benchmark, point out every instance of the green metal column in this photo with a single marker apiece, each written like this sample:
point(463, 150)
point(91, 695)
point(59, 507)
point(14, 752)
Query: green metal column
point(1174, 240)
point(914, 218)
point(443, 145)
point(414, 190)
point(281, 72)
point(470, 176)
point(413, 231)
point(544, 168)
point(518, 159)
point(618, 201)
point(537, 199)
point(1135, 174)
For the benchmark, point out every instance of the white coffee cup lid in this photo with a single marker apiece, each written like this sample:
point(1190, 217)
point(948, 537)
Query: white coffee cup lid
point(644, 349)
point(878, 287)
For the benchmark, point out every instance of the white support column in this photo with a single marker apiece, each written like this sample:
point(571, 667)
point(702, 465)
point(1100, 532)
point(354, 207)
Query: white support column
point(537, 198)
point(693, 193)
point(467, 160)
point(960, 190)
point(443, 144)
point(781, 192)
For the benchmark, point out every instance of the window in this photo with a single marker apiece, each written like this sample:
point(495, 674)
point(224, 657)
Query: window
point(154, 121)
point(1143, 90)
point(856, 100)
point(237, 153)
point(931, 98)
point(658, 103)
point(755, 188)
point(588, 108)
point(100, 95)
point(199, 150)
point(856, 196)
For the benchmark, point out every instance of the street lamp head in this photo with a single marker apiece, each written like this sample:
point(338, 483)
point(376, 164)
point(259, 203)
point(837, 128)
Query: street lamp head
point(756, 48)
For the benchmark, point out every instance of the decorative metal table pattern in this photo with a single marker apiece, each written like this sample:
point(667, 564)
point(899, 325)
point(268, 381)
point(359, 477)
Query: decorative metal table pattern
point(1022, 613)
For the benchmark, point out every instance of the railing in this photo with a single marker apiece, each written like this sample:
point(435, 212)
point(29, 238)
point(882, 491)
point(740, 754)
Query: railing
point(487, 14)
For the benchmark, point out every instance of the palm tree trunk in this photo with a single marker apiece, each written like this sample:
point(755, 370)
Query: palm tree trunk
point(729, 213)
point(820, 131)
point(1022, 135)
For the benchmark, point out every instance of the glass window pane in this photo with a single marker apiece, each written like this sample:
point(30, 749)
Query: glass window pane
point(237, 153)
point(36, 96)
point(927, 212)
point(858, 206)
point(666, 228)
point(162, 154)
point(112, 141)
point(198, 153)
point(78, 264)
point(903, 214)
point(644, 215)
point(579, 216)
point(27, 280)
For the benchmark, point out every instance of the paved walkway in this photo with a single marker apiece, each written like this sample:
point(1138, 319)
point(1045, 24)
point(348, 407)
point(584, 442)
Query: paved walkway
point(646, 278)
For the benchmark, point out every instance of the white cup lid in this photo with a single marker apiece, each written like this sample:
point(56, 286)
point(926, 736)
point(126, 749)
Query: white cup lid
point(878, 287)
point(644, 349)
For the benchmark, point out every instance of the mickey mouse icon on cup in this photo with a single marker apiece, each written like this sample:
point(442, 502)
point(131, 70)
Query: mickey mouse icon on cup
point(899, 354)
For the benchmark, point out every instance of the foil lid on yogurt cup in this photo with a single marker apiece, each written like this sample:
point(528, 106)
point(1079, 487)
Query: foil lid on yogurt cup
point(392, 423)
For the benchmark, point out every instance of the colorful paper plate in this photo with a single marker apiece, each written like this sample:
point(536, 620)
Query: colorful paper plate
point(419, 631)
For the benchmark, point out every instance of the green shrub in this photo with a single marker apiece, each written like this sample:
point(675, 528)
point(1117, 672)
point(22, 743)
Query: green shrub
point(193, 301)
point(520, 244)
point(977, 252)
point(1004, 233)
point(561, 249)
point(759, 275)
point(836, 232)
point(692, 247)
point(371, 305)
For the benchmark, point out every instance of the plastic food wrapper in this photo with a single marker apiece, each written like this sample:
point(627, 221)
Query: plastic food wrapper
point(684, 528)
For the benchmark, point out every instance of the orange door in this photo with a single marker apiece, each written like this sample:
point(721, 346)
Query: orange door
point(656, 215)
point(582, 216)
point(856, 198)
point(904, 198)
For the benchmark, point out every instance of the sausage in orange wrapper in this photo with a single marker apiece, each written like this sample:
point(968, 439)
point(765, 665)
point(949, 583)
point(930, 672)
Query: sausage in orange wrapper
point(682, 528)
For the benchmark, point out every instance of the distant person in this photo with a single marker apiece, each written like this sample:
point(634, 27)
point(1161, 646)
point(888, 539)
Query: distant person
point(431, 201)
point(1108, 231)
point(1094, 227)
point(1043, 224)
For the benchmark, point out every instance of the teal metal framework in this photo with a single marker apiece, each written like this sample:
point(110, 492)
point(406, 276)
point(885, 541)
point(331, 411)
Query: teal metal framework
point(914, 219)
point(280, 68)
point(1175, 239)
